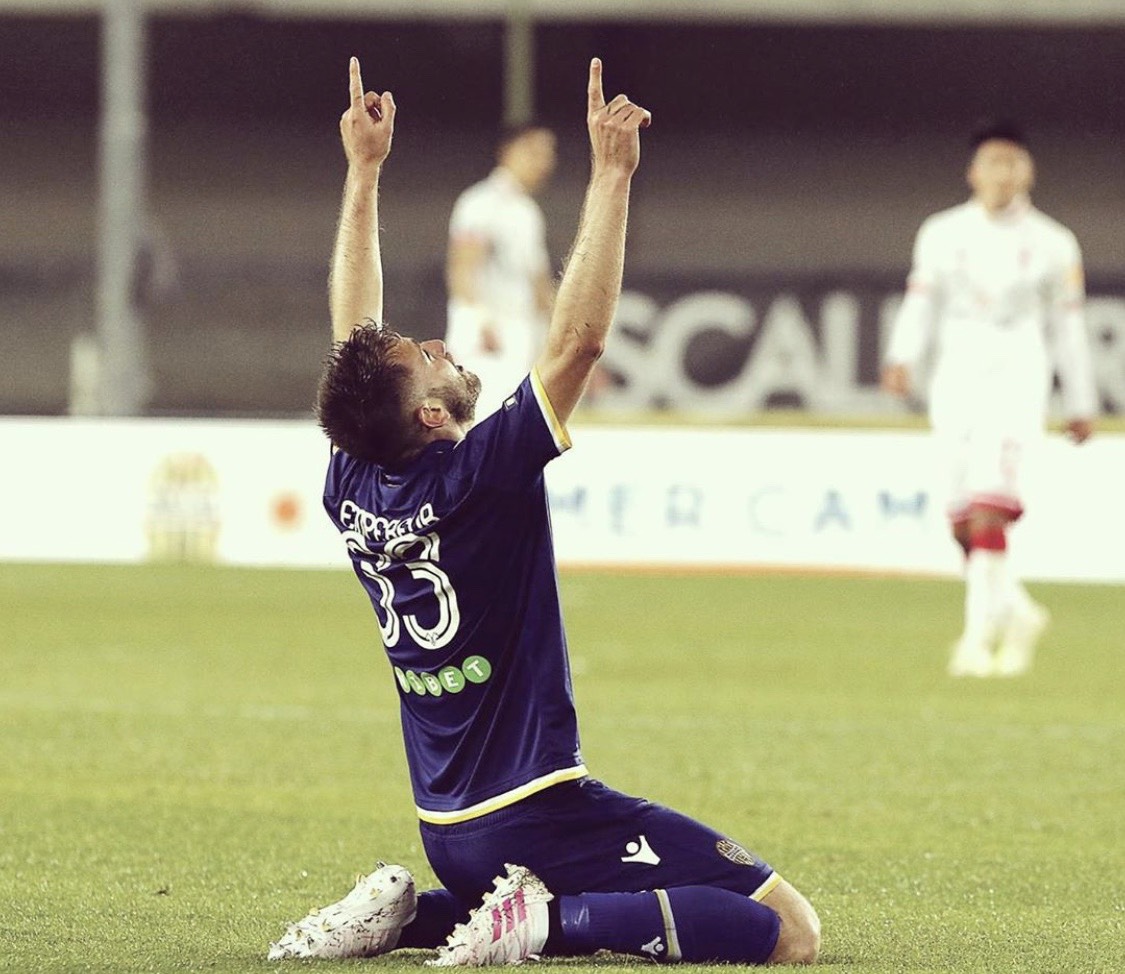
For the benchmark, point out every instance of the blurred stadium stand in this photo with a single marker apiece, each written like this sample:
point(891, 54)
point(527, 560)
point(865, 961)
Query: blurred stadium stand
point(798, 153)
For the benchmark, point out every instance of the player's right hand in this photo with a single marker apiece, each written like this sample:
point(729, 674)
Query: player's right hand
point(368, 125)
point(614, 128)
point(1079, 430)
point(895, 379)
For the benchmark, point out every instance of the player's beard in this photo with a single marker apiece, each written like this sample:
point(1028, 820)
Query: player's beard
point(461, 398)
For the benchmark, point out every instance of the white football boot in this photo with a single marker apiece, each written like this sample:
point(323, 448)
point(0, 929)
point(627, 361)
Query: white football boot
point(366, 922)
point(508, 927)
point(971, 657)
point(1018, 641)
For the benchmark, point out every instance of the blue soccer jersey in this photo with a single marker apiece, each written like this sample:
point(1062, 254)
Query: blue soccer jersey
point(455, 552)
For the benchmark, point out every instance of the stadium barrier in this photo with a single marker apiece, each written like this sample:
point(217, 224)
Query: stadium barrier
point(249, 493)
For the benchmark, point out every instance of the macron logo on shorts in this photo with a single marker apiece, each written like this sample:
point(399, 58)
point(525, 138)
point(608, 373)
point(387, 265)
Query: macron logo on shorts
point(638, 850)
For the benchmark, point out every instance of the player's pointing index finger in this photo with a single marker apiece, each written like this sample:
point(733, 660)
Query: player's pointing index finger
point(355, 84)
point(595, 97)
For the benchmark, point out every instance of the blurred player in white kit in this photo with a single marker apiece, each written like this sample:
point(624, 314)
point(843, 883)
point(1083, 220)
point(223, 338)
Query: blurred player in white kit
point(497, 267)
point(997, 288)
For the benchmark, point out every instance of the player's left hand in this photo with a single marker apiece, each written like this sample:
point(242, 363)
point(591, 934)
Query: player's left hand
point(490, 339)
point(895, 379)
point(368, 125)
point(1080, 430)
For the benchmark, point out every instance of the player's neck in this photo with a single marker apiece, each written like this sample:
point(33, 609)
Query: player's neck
point(513, 178)
point(449, 433)
point(1016, 206)
point(446, 434)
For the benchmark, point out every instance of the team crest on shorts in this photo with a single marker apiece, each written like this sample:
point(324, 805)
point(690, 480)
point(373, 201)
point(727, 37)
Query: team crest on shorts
point(735, 853)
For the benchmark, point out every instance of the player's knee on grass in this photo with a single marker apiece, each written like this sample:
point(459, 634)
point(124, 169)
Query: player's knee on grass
point(799, 939)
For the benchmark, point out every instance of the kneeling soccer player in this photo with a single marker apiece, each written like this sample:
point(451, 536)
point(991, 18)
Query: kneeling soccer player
point(448, 530)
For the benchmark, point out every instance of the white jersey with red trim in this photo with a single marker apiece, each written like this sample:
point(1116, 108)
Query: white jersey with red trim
point(1000, 297)
point(498, 214)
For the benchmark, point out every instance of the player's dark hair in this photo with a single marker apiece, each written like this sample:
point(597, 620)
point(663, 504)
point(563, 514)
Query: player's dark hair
point(361, 401)
point(997, 128)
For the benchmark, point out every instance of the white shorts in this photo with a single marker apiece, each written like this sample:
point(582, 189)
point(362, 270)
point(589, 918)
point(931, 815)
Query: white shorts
point(984, 467)
point(985, 425)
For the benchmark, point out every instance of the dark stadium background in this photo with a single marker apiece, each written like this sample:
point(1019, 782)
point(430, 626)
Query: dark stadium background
point(801, 154)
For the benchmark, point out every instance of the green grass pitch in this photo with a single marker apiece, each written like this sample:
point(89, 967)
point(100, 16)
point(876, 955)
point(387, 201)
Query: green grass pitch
point(191, 757)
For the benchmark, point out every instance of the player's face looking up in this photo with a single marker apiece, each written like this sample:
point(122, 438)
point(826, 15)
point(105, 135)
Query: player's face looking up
point(531, 158)
point(999, 172)
point(435, 375)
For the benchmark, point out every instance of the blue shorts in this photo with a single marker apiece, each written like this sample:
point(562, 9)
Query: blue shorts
point(582, 837)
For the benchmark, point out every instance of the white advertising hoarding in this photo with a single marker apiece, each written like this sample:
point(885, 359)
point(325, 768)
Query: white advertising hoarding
point(248, 493)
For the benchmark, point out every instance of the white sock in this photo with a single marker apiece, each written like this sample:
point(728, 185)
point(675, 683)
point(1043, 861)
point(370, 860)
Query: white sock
point(985, 591)
point(1016, 599)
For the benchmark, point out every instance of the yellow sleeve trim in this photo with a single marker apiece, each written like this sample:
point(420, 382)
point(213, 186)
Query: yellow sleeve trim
point(558, 430)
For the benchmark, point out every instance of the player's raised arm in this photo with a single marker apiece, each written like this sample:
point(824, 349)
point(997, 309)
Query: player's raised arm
point(355, 285)
point(587, 296)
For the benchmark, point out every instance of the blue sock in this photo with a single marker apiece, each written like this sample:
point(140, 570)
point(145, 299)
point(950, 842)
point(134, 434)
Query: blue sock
point(438, 911)
point(623, 922)
point(716, 925)
point(689, 923)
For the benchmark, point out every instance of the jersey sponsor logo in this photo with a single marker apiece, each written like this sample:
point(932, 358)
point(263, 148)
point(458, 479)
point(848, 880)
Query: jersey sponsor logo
point(654, 948)
point(449, 679)
point(638, 850)
point(731, 850)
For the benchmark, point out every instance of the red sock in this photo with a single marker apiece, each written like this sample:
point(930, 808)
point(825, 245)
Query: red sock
point(989, 538)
